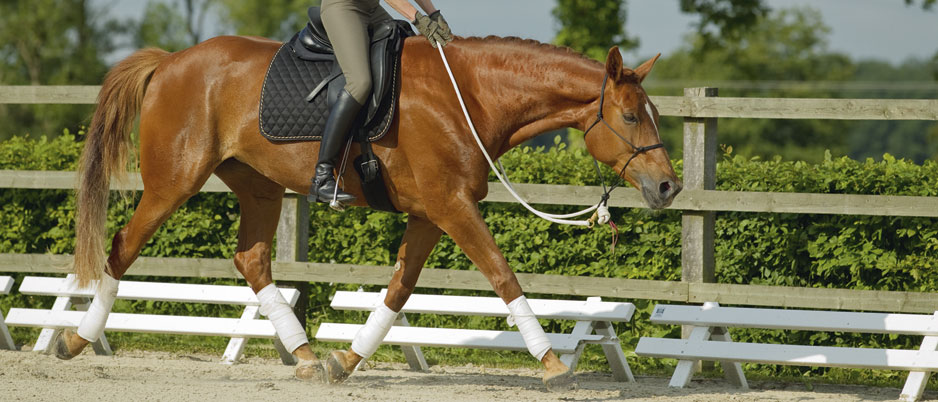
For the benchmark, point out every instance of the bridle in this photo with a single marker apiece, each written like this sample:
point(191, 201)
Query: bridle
point(601, 210)
point(637, 150)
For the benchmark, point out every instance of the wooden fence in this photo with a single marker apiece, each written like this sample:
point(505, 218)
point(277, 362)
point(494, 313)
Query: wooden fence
point(699, 202)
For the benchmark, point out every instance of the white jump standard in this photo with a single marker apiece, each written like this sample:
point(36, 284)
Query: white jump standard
point(379, 323)
point(593, 318)
point(6, 341)
point(710, 341)
point(61, 317)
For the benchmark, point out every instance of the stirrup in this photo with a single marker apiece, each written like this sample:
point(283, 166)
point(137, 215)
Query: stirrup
point(336, 206)
point(336, 198)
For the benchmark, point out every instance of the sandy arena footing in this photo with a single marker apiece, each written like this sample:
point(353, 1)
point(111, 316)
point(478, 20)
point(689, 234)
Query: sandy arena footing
point(142, 376)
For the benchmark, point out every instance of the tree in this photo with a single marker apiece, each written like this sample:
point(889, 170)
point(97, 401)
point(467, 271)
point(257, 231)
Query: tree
point(926, 4)
point(913, 139)
point(173, 25)
point(178, 24)
point(276, 19)
point(50, 42)
point(732, 18)
point(934, 66)
point(787, 45)
point(592, 26)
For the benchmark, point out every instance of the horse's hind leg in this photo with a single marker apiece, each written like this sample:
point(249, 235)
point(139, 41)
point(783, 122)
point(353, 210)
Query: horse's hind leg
point(260, 200)
point(177, 156)
point(161, 198)
point(419, 239)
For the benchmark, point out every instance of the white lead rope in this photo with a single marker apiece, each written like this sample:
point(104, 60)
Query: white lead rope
point(602, 211)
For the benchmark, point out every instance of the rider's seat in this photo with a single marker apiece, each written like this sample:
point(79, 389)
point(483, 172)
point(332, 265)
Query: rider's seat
point(387, 40)
point(314, 37)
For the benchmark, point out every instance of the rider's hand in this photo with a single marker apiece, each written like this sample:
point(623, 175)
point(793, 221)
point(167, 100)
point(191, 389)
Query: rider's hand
point(447, 35)
point(429, 28)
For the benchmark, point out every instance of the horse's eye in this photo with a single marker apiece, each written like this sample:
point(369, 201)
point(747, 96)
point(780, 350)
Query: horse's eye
point(629, 118)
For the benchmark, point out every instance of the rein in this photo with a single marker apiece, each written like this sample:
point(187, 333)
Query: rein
point(601, 208)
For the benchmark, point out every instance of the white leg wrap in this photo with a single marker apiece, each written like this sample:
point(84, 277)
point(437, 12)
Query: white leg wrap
point(92, 324)
point(531, 331)
point(278, 311)
point(370, 336)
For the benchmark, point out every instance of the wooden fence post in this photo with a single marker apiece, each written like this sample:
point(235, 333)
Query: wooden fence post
point(293, 244)
point(700, 166)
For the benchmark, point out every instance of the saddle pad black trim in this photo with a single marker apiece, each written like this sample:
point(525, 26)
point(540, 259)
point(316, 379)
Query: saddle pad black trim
point(286, 116)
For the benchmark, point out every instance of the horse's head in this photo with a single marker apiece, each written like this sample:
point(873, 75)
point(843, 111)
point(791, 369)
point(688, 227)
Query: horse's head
point(626, 136)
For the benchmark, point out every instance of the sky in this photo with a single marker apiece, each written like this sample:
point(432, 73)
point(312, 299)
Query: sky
point(863, 29)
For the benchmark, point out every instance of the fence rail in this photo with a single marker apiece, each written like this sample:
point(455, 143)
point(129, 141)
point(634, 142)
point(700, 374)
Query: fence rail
point(38, 95)
point(553, 194)
point(700, 107)
point(703, 107)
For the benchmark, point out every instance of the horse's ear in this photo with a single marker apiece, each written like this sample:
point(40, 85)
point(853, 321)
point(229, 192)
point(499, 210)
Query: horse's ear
point(645, 68)
point(614, 64)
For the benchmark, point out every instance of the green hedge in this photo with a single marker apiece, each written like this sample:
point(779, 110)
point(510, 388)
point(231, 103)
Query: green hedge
point(836, 251)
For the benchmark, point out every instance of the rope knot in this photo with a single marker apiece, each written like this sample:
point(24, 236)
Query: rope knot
point(603, 214)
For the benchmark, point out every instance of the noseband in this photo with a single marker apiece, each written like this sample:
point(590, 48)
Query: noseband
point(637, 150)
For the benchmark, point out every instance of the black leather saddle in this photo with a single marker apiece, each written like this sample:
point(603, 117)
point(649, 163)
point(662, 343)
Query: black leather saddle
point(314, 37)
point(387, 39)
point(304, 80)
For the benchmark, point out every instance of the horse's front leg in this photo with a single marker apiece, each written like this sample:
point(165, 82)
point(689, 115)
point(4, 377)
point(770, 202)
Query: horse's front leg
point(419, 239)
point(463, 222)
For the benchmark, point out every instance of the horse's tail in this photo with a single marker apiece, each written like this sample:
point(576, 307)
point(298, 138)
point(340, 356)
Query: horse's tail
point(108, 150)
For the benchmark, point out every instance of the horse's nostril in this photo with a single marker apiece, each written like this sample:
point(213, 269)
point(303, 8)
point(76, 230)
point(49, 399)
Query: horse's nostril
point(664, 187)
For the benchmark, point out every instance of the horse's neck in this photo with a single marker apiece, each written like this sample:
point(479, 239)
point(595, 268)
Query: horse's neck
point(531, 90)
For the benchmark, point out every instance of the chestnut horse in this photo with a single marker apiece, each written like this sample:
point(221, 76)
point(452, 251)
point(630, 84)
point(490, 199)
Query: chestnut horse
point(198, 112)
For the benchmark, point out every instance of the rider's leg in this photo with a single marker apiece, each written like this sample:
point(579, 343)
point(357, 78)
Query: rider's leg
point(333, 137)
point(346, 23)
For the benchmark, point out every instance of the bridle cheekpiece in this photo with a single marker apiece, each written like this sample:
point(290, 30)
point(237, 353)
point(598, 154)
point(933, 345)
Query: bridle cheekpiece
point(637, 150)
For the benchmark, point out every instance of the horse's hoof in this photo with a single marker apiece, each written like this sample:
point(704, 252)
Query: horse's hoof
point(335, 368)
point(310, 370)
point(60, 347)
point(563, 382)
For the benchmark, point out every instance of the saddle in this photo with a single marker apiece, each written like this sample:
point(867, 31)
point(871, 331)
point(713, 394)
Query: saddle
point(304, 80)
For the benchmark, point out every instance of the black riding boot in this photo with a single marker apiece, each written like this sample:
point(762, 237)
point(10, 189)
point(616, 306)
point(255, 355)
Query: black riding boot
point(334, 136)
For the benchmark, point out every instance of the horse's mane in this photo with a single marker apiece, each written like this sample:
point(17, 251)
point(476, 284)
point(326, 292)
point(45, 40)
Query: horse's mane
point(541, 48)
point(533, 45)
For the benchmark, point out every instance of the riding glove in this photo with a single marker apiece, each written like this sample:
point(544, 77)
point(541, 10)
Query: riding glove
point(431, 29)
point(437, 17)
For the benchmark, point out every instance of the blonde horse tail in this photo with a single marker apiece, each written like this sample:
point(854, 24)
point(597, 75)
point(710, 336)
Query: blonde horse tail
point(107, 153)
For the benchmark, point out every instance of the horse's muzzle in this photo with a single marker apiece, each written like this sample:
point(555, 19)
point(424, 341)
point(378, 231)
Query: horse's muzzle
point(660, 193)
